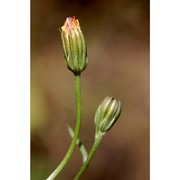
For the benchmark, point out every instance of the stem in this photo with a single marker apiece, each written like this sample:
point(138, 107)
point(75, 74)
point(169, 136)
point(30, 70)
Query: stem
point(76, 132)
point(90, 156)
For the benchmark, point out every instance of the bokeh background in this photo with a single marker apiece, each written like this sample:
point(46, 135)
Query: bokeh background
point(117, 35)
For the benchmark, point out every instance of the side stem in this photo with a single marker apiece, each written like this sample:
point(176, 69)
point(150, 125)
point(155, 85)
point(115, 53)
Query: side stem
point(76, 132)
point(89, 158)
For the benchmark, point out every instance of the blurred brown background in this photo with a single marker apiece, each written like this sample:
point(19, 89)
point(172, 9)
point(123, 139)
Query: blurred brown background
point(117, 35)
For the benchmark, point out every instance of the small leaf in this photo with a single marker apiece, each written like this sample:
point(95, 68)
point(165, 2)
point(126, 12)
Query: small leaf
point(79, 144)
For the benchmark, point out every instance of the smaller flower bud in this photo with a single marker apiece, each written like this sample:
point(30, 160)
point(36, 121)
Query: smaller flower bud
point(107, 114)
point(74, 46)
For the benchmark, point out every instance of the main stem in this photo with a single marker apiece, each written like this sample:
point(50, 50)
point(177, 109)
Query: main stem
point(90, 156)
point(76, 132)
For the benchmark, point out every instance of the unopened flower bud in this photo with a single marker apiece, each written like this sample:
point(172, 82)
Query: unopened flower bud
point(107, 114)
point(74, 45)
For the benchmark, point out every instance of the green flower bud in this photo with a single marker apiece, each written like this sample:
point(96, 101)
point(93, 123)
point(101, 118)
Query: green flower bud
point(107, 114)
point(74, 46)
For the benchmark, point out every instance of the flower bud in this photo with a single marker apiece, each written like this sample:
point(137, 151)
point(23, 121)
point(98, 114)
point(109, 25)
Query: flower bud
point(107, 114)
point(74, 46)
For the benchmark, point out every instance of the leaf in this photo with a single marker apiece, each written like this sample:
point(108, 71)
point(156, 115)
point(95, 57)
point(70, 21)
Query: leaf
point(79, 144)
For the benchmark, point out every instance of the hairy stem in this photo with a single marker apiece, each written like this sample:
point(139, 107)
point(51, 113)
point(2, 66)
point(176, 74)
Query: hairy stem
point(76, 132)
point(89, 158)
